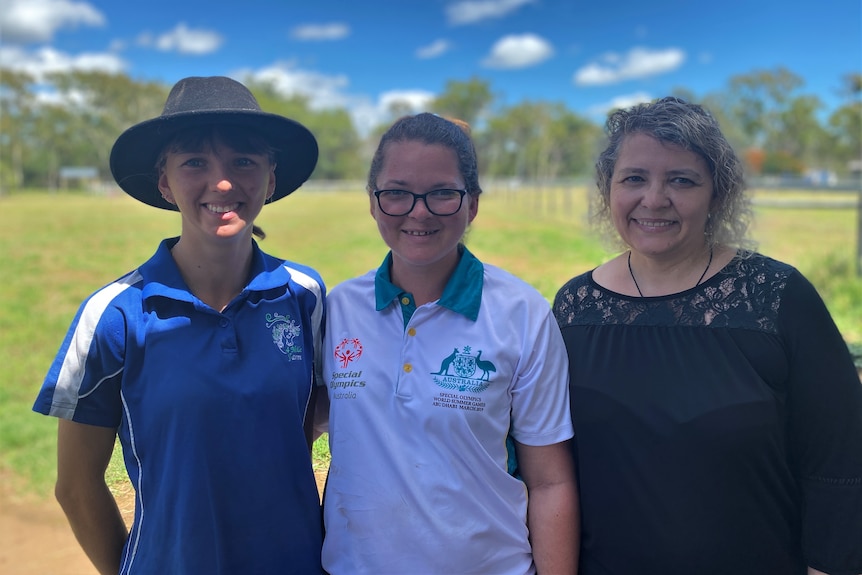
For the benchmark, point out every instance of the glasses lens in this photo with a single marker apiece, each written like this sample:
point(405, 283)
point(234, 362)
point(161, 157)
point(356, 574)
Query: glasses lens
point(395, 202)
point(444, 202)
point(401, 203)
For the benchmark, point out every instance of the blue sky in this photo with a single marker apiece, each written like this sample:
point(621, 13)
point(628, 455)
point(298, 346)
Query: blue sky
point(363, 54)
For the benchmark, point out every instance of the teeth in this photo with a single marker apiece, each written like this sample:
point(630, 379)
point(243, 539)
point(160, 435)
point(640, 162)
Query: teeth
point(654, 224)
point(221, 209)
point(409, 233)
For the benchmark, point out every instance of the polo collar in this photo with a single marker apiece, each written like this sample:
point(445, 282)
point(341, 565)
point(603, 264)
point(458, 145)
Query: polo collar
point(162, 277)
point(462, 294)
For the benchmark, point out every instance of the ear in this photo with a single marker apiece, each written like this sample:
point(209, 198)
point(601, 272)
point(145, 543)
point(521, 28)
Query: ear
point(473, 211)
point(270, 188)
point(372, 205)
point(165, 188)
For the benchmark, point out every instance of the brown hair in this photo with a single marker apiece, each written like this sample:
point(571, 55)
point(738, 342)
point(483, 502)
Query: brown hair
point(431, 129)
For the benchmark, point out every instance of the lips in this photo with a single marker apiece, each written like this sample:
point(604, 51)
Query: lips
point(419, 233)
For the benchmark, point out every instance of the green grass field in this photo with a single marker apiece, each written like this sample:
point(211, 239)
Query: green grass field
point(55, 249)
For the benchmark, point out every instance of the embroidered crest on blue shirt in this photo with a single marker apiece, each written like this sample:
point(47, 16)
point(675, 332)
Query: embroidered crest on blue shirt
point(285, 331)
point(464, 371)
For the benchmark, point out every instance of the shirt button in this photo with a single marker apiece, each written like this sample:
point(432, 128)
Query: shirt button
point(405, 300)
point(411, 332)
point(223, 322)
point(408, 368)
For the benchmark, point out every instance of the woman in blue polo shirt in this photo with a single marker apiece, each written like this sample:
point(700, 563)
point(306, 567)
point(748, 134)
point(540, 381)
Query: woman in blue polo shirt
point(200, 360)
point(447, 379)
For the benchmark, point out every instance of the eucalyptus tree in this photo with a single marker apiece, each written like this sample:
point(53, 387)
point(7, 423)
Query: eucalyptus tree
point(333, 128)
point(16, 112)
point(539, 141)
point(470, 101)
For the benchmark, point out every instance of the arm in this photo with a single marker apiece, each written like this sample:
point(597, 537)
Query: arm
point(321, 412)
point(83, 453)
point(824, 402)
point(552, 506)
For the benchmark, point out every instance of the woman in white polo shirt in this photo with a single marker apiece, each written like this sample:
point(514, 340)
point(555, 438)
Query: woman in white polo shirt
point(447, 378)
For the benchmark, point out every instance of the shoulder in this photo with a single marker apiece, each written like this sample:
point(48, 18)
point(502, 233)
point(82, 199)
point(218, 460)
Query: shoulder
point(363, 284)
point(572, 287)
point(305, 276)
point(762, 274)
point(105, 314)
point(119, 293)
point(496, 276)
point(501, 284)
point(755, 262)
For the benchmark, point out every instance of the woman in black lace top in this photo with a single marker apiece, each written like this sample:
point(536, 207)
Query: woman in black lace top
point(717, 411)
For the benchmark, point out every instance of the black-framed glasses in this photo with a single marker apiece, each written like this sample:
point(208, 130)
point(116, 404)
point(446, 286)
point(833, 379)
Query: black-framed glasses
point(402, 202)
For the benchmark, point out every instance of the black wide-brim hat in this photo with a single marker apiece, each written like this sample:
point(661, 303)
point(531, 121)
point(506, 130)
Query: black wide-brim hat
point(198, 101)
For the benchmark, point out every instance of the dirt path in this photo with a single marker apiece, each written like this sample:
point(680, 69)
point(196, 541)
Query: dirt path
point(35, 538)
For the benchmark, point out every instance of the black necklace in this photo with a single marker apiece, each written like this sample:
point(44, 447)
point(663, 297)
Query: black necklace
point(632, 273)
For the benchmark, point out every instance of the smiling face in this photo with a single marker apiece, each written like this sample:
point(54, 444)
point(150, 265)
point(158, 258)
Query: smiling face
point(218, 191)
point(420, 239)
point(660, 197)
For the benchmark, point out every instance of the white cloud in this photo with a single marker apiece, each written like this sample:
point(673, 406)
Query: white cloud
point(518, 51)
point(333, 31)
point(40, 62)
point(367, 115)
point(472, 11)
point(637, 63)
point(326, 91)
point(23, 21)
point(414, 100)
point(434, 49)
point(323, 91)
point(184, 40)
point(620, 102)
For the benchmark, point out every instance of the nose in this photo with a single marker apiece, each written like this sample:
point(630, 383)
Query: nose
point(221, 177)
point(420, 209)
point(656, 196)
point(224, 185)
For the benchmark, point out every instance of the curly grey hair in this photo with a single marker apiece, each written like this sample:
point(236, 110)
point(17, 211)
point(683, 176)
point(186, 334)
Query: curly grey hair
point(693, 128)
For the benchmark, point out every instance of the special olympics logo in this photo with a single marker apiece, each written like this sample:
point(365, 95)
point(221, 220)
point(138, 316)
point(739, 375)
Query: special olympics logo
point(348, 350)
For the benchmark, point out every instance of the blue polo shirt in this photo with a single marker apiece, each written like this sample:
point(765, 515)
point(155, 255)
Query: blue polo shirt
point(209, 408)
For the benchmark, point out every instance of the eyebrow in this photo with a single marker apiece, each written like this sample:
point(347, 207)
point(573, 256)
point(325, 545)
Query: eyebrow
point(694, 174)
point(400, 184)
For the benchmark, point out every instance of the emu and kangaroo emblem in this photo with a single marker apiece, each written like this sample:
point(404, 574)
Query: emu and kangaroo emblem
point(463, 371)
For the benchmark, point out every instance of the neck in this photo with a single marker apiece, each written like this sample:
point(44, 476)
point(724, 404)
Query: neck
point(215, 274)
point(426, 282)
point(664, 280)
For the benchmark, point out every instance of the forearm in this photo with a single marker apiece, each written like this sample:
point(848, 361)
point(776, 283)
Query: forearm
point(97, 524)
point(554, 523)
point(83, 453)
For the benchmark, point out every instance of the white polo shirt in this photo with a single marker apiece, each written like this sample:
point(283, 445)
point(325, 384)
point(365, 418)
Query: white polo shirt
point(423, 403)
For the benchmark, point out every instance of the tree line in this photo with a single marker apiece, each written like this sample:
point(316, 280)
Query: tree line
point(777, 127)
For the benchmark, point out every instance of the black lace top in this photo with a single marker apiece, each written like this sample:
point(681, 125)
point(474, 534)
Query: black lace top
point(718, 430)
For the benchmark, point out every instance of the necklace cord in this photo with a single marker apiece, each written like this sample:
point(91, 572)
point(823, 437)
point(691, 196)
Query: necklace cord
point(632, 273)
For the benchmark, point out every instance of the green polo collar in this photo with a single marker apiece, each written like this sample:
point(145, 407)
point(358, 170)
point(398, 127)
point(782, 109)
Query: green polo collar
point(462, 294)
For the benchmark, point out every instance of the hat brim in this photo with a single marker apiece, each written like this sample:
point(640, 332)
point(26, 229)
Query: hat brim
point(134, 155)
